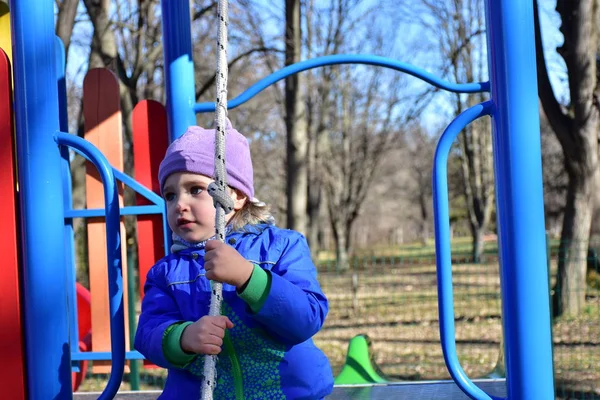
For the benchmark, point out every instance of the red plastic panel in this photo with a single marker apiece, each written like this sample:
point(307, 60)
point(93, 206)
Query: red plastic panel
point(103, 128)
point(150, 141)
point(12, 379)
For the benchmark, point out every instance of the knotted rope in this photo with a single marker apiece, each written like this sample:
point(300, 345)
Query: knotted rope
point(218, 189)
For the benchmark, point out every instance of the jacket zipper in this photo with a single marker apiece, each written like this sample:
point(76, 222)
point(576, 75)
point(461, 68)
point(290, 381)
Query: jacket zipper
point(238, 382)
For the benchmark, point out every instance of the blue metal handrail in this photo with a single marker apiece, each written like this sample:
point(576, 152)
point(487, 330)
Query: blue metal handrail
point(99, 212)
point(157, 208)
point(139, 188)
point(443, 250)
point(336, 59)
point(113, 251)
point(150, 196)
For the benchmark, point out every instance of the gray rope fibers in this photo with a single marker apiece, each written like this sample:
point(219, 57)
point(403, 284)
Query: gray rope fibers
point(218, 189)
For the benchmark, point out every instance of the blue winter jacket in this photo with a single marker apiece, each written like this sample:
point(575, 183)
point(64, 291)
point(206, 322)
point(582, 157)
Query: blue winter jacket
point(266, 355)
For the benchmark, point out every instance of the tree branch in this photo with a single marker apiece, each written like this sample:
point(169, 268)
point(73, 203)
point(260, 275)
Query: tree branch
point(240, 57)
point(198, 14)
point(557, 118)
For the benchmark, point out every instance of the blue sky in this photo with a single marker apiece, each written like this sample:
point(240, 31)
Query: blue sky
point(549, 19)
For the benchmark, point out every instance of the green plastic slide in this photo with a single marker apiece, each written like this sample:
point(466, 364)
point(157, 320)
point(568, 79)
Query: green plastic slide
point(359, 367)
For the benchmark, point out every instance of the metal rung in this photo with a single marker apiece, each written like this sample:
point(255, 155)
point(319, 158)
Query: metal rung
point(104, 355)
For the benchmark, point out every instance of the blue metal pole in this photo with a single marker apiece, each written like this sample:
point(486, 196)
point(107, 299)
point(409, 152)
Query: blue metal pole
point(519, 199)
point(41, 199)
point(179, 66)
point(113, 254)
point(67, 200)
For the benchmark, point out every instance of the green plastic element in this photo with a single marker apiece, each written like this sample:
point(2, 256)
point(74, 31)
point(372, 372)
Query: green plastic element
point(134, 374)
point(359, 367)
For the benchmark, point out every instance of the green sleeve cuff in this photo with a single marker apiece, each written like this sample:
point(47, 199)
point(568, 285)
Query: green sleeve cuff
point(257, 290)
point(172, 345)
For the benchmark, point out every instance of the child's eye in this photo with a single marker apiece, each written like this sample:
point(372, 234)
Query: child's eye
point(169, 196)
point(196, 190)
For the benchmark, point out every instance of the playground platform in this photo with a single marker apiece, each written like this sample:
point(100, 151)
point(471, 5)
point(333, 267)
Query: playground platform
point(443, 390)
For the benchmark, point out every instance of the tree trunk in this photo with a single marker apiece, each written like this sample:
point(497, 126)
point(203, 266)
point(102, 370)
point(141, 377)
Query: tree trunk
point(314, 201)
point(295, 120)
point(478, 244)
point(595, 229)
point(314, 186)
point(423, 205)
point(104, 44)
point(475, 141)
point(577, 131)
point(340, 235)
point(65, 21)
point(572, 263)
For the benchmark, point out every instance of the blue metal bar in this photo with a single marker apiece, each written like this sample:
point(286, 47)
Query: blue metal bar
point(144, 191)
point(67, 200)
point(346, 59)
point(99, 212)
point(46, 320)
point(104, 355)
point(443, 249)
point(179, 66)
point(519, 199)
point(135, 185)
point(151, 196)
point(167, 241)
point(139, 188)
point(113, 250)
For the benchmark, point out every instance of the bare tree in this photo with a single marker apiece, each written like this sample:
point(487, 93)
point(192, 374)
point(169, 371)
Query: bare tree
point(420, 149)
point(555, 178)
point(475, 141)
point(113, 35)
point(295, 118)
point(326, 24)
point(65, 21)
point(323, 37)
point(458, 25)
point(350, 111)
point(364, 127)
point(576, 126)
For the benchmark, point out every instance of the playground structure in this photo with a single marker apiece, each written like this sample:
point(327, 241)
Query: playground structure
point(41, 349)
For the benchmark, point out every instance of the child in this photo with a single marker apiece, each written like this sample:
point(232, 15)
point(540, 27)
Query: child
point(272, 301)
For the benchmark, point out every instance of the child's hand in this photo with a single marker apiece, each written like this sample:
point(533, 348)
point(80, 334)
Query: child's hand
point(224, 264)
point(205, 336)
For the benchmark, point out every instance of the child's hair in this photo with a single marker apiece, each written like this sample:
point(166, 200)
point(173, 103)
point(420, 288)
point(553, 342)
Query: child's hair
point(252, 213)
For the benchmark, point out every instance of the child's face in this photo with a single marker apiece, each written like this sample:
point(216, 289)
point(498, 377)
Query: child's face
point(190, 209)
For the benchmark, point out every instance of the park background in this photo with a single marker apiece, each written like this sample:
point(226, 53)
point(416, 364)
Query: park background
point(344, 155)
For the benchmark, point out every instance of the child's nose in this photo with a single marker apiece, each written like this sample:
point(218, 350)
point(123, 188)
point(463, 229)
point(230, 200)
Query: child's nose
point(181, 204)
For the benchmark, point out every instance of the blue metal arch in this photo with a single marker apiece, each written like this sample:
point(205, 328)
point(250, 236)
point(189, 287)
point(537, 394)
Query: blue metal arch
point(443, 248)
point(337, 59)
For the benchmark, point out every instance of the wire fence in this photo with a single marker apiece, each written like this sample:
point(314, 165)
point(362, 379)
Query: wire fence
point(393, 300)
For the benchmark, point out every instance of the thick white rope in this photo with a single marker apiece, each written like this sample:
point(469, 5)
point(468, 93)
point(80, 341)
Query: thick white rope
point(218, 189)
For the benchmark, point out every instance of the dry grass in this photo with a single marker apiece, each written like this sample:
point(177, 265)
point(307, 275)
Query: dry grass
point(397, 308)
point(396, 305)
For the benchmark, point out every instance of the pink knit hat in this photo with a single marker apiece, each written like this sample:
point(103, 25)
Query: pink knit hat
point(194, 152)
